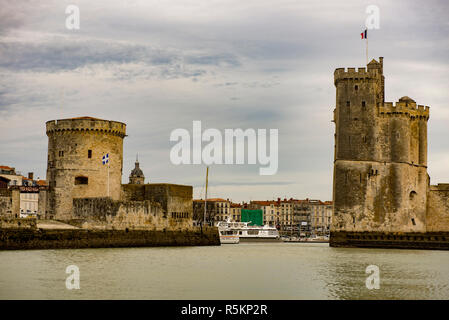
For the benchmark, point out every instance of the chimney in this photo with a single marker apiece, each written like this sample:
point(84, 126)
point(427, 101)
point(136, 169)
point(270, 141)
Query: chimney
point(30, 175)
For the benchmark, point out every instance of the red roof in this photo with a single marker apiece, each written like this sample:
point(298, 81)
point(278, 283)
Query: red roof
point(217, 200)
point(264, 203)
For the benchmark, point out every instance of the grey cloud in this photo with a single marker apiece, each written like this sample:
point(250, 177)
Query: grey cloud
point(65, 53)
point(216, 60)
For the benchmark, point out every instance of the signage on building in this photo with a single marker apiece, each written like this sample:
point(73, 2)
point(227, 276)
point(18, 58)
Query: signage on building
point(28, 189)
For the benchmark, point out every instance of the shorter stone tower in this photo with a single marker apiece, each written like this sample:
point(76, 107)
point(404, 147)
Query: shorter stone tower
point(75, 167)
point(136, 176)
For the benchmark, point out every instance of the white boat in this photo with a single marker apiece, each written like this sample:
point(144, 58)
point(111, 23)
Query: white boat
point(246, 232)
point(227, 234)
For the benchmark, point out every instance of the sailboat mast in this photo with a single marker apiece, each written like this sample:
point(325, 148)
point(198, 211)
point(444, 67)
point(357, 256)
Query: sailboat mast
point(205, 199)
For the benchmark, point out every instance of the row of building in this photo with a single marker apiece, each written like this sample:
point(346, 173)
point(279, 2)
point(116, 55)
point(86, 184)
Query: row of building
point(19, 195)
point(288, 215)
point(309, 217)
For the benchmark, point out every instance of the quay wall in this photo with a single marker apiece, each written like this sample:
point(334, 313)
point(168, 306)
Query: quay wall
point(22, 238)
point(397, 240)
point(18, 223)
point(438, 208)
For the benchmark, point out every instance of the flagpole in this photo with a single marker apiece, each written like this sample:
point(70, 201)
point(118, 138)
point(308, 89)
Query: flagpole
point(367, 49)
point(108, 177)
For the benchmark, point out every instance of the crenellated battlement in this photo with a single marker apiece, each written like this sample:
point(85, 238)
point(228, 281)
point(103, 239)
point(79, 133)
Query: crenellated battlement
point(86, 124)
point(373, 70)
point(405, 106)
point(353, 74)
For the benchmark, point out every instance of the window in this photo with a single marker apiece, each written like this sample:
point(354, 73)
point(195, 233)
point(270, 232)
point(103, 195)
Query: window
point(89, 154)
point(348, 103)
point(363, 104)
point(81, 180)
point(61, 153)
point(356, 87)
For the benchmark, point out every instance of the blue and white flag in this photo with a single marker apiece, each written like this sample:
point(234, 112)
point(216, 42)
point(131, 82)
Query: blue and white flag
point(106, 158)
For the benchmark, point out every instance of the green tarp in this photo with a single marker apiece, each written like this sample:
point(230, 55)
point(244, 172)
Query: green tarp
point(255, 216)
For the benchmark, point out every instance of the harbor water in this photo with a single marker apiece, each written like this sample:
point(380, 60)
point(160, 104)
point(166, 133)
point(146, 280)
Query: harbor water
point(235, 271)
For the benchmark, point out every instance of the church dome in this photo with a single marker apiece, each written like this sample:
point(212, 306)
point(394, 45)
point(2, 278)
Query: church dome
point(137, 172)
point(406, 99)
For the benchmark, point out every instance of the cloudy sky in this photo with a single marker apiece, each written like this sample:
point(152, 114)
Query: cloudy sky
point(159, 65)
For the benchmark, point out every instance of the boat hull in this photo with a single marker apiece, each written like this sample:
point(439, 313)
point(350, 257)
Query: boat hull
point(258, 239)
point(229, 239)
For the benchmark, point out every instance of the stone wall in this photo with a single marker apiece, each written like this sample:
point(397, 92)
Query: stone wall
point(379, 196)
point(15, 208)
point(176, 200)
point(15, 239)
point(398, 240)
point(5, 203)
point(42, 204)
point(438, 208)
point(106, 213)
point(18, 223)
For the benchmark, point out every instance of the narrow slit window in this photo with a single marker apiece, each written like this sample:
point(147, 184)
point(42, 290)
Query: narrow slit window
point(89, 154)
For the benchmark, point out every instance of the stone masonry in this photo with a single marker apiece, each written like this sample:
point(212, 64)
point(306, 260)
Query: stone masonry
point(75, 168)
point(380, 165)
point(85, 191)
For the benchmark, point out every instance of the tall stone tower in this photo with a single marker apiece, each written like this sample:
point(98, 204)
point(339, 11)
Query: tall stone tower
point(136, 176)
point(75, 168)
point(380, 164)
